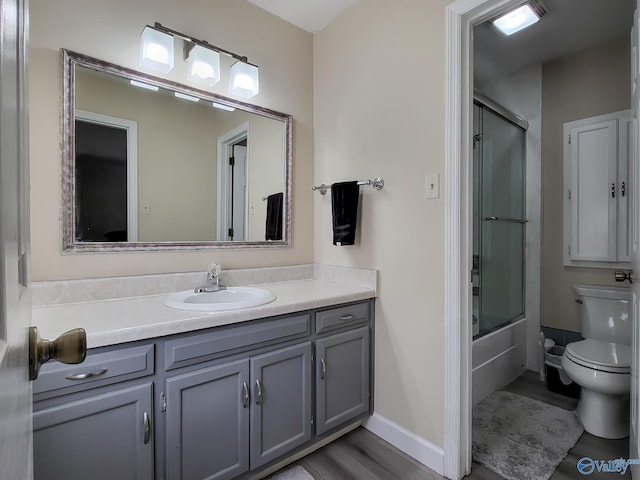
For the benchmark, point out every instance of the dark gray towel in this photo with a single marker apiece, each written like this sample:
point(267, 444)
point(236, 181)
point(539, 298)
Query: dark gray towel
point(273, 227)
point(344, 209)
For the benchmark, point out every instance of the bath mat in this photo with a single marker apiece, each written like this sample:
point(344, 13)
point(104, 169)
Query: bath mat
point(520, 438)
point(295, 473)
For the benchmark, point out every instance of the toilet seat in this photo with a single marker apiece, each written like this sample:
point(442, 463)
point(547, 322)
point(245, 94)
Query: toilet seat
point(598, 355)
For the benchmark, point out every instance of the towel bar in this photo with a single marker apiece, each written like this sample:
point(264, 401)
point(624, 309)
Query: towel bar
point(377, 184)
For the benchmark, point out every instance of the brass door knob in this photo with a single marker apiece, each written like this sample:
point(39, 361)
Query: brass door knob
point(70, 347)
point(621, 276)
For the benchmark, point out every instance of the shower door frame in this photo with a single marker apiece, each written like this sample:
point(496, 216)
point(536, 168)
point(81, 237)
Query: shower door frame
point(461, 17)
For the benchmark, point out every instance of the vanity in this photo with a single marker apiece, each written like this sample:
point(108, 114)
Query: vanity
point(171, 394)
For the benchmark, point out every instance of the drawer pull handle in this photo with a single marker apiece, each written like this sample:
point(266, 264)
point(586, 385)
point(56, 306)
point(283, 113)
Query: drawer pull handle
point(245, 395)
point(83, 376)
point(258, 392)
point(351, 316)
point(323, 369)
point(147, 427)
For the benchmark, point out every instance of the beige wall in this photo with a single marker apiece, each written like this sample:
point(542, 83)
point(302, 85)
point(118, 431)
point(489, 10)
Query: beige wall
point(111, 31)
point(379, 110)
point(593, 82)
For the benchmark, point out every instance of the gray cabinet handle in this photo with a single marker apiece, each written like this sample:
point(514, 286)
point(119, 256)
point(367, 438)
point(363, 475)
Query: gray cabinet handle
point(258, 392)
point(82, 376)
point(323, 369)
point(147, 427)
point(245, 395)
point(347, 317)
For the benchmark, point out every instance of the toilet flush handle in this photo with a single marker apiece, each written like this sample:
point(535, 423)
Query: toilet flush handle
point(621, 276)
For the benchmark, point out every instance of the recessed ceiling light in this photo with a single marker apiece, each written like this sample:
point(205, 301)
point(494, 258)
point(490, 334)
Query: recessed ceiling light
point(186, 97)
point(144, 85)
point(516, 20)
point(222, 106)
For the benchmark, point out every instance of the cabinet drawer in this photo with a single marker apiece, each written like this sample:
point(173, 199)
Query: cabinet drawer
point(98, 369)
point(335, 318)
point(206, 346)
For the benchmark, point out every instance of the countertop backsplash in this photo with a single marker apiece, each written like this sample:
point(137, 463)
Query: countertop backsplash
point(87, 290)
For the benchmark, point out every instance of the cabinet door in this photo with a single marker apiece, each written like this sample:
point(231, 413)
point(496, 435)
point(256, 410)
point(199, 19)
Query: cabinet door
point(207, 423)
point(594, 178)
point(281, 407)
point(104, 436)
point(342, 378)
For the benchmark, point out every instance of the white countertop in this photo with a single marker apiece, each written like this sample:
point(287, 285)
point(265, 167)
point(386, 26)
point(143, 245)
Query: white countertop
point(109, 322)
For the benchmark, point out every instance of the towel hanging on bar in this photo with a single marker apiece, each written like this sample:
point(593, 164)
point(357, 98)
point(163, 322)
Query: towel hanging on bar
point(344, 212)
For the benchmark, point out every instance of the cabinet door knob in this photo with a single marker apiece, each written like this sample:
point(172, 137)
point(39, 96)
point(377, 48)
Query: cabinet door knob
point(323, 369)
point(245, 395)
point(147, 427)
point(258, 392)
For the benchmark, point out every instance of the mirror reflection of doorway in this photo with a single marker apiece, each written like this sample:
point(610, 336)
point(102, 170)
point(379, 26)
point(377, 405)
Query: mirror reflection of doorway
point(238, 184)
point(233, 184)
point(104, 167)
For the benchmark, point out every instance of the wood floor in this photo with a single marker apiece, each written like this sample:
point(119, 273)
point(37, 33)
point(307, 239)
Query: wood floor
point(361, 455)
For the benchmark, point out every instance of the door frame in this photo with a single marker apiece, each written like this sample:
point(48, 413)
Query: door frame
point(461, 17)
point(225, 143)
point(131, 127)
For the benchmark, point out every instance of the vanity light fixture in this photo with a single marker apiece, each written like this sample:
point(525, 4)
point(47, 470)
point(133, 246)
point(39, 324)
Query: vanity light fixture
point(520, 18)
point(204, 65)
point(156, 49)
point(184, 96)
point(144, 85)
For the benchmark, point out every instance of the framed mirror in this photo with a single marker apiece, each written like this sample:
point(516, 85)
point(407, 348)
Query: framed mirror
point(150, 164)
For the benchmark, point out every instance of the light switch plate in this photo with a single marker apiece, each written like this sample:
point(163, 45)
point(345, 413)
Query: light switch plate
point(432, 186)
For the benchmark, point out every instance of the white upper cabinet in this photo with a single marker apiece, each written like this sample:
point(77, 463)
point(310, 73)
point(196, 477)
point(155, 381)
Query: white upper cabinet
point(596, 183)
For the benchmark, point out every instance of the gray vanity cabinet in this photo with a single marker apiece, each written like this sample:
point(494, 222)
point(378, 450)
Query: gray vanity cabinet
point(95, 420)
point(342, 378)
point(223, 420)
point(281, 406)
point(101, 436)
point(207, 420)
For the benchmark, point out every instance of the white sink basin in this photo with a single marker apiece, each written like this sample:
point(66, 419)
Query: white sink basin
point(231, 298)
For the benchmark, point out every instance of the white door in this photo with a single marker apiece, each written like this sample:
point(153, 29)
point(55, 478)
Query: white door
point(15, 305)
point(634, 166)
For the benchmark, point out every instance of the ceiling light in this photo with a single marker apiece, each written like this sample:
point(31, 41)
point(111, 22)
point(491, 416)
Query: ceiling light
point(243, 80)
point(204, 66)
point(186, 97)
point(156, 50)
point(144, 85)
point(221, 106)
point(516, 20)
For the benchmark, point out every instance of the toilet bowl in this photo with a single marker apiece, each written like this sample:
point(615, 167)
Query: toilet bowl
point(600, 364)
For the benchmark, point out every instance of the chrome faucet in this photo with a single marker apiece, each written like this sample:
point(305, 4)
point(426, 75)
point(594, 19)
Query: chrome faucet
point(213, 280)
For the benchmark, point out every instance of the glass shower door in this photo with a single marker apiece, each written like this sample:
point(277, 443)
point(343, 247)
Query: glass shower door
point(502, 221)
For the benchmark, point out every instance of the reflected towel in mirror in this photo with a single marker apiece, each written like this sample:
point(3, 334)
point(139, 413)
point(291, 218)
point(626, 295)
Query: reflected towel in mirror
point(273, 228)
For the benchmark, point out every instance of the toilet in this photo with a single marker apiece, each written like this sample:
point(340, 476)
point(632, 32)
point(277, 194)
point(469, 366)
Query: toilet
point(600, 364)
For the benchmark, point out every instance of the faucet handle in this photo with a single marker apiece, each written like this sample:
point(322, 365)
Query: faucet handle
point(214, 271)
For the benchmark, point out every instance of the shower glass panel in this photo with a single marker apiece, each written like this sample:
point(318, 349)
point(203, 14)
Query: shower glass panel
point(500, 159)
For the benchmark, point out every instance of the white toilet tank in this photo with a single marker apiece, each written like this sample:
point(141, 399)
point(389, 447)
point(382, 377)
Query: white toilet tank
point(605, 313)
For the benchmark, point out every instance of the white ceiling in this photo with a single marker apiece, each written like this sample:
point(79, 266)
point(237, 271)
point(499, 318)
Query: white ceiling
point(570, 26)
point(312, 15)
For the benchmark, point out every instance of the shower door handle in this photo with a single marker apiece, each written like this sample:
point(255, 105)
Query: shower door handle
point(505, 219)
point(613, 190)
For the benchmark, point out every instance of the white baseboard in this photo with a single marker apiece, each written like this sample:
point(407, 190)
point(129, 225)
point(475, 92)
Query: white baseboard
point(413, 445)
